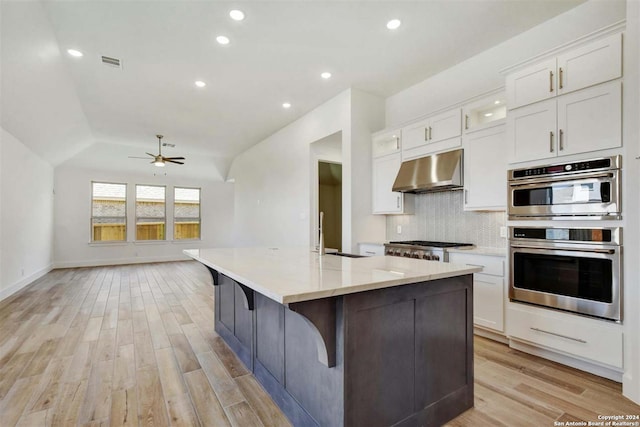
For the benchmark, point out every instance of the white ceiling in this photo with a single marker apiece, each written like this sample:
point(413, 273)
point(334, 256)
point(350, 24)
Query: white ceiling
point(59, 105)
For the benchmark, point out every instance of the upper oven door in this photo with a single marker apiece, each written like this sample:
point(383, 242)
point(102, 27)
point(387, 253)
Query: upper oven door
point(590, 196)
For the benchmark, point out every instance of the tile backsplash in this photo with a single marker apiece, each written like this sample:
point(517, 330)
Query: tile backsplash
point(441, 217)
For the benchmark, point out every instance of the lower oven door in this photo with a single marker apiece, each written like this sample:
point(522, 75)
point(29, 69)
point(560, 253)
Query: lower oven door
point(585, 281)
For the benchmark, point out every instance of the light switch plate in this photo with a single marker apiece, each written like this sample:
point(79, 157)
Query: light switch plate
point(503, 232)
point(399, 229)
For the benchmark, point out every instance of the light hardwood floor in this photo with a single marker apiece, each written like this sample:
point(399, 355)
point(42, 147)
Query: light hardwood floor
point(134, 345)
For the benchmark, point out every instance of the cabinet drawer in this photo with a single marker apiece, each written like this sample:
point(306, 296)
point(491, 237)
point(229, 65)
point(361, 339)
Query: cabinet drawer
point(370, 249)
point(582, 337)
point(493, 265)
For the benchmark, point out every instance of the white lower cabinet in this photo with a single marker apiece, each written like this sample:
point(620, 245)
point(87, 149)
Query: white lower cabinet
point(488, 289)
point(371, 249)
point(581, 337)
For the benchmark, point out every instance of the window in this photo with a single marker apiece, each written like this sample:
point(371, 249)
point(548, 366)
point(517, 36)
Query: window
point(108, 212)
point(150, 212)
point(186, 213)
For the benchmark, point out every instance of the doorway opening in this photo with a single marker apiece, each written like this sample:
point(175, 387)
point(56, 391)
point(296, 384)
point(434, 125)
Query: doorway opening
point(330, 202)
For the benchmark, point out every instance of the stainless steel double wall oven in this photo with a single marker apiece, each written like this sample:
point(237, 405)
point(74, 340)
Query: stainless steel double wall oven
point(573, 268)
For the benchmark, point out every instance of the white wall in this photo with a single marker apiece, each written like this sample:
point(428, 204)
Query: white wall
point(73, 219)
point(273, 178)
point(481, 73)
point(26, 215)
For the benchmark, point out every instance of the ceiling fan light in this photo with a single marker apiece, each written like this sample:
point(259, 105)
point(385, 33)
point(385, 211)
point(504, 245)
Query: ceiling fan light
point(159, 163)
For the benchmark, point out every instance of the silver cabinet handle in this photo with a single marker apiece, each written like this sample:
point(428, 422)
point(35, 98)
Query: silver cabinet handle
point(560, 77)
point(398, 202)
point(466, 194)
point(426, 133)
point(558, 335)
point(369, 252)
point(550, 81)
point(397, 143)
point(430, 137)
point(551, 141)
point(466, 121)
point(560, 133)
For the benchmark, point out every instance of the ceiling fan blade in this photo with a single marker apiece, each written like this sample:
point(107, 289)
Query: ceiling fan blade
point(173, 161)
point(173, 158)
point(152, 155)
point(135, 157)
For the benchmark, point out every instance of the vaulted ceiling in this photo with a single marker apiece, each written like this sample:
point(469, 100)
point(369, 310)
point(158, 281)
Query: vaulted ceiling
point(82, 111)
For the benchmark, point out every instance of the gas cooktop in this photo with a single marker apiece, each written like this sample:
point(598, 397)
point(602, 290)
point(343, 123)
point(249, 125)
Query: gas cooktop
point(427, 243)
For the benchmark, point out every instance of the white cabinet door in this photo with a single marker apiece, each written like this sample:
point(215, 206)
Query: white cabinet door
point(488, 289)
point(590, 119)
point(485, 169)
point(594, 63)
point(446, 125)
point(531, 132)
point(415, 135)
point(531, 84)
point(488, 301)
point(385, 143)
point(385, 170)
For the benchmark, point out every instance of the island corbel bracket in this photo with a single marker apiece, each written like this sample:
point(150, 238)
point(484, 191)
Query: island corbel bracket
point(320, 314)
point(247, 301)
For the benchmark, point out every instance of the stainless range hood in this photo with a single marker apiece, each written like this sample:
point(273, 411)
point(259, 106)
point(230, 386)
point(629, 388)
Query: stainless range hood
point(438, 172)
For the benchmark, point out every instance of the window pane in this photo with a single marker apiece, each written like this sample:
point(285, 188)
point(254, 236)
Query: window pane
point(186, 213)
point(150, 212)
point(108, 212)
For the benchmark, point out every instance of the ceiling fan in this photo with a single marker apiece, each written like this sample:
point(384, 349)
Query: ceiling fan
point(158, 159)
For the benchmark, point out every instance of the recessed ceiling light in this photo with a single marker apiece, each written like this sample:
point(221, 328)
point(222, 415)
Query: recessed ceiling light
point(236, 15)
point(74, 52)
point(488, 114)
point(393, 24)
point(497, 102)
point(222, 40)
point(326, 75)
point(286, 105)
point(200, 83)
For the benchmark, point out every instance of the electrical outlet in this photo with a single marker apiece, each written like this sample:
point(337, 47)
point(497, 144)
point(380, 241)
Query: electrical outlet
point(399, 229)
point(503, 232)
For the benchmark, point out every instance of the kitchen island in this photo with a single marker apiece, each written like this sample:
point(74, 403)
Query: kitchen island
point(337, 341)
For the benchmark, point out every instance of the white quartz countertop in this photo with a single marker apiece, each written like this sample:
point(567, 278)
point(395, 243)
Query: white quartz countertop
point(289, 275)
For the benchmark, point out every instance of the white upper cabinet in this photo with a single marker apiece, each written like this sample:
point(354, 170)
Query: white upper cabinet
point(590, 119)
point(580, 122)
point(532, 84)
point(531, 132)
point(588, 65)
point(594, 63)
point(485, 169)
point(487, 112)
point(432, 131)
point(385, 170)
point(386, 142)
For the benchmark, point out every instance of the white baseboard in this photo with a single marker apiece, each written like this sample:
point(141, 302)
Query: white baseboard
point(495, 336)
point(7, 292)
point(120, 261)
point(582, 365)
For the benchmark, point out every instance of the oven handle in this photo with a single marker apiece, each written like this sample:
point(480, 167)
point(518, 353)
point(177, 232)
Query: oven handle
point(564, 249)
point(599, 177)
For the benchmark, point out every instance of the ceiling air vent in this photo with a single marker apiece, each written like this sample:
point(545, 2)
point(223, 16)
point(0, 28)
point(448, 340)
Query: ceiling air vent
point(112, 62)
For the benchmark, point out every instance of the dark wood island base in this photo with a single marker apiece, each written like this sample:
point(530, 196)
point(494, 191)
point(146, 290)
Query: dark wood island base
point(399, 356)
